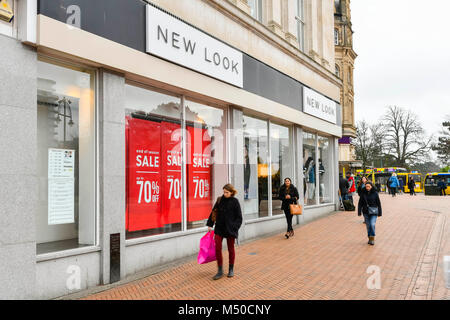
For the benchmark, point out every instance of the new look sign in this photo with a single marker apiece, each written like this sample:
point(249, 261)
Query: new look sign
point(319, 106)
point(176, 41)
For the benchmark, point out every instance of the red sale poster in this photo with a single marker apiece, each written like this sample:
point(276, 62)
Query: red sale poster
point(171, 157)
point(199, 174)
point(144, 175)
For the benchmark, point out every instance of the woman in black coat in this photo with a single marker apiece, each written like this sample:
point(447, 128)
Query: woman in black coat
point(288, 195)
point(369, 198)
point(228, 220)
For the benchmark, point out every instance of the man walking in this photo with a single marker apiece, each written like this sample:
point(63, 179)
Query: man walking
point(442, 186)
point(351, 186)
point(411, 186)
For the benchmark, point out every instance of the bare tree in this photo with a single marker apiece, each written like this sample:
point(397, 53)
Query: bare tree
point(368, 143)
point(442, 147)
point(404, 137)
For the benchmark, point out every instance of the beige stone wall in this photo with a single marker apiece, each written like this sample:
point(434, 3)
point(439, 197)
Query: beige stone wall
point(273, 41)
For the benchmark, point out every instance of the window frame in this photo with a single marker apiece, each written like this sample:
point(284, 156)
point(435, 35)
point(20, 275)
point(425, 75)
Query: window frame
point(74, 66)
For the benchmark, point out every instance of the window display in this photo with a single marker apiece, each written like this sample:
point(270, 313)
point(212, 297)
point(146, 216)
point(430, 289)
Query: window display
point(325, 165)
point(153, 175)
point(66, 157)
point(256, 168)
point(205, 155)
point(309, 168)
point(281, 165)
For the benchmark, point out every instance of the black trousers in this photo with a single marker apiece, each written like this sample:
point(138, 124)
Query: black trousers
point(287, 213)
point(442, 192)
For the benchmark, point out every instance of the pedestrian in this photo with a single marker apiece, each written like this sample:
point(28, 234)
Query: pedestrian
point(361, 188)
point(228, 220)
point(288, 195)
point(369, 206)
point(402, 184)
point(442, 186)
point(412, 186)
point(351, 186)
point(394, 184)
point(343, 187)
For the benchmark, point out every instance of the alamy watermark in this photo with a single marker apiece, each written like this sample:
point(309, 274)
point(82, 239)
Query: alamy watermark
point(73, 282)
point(374, 281)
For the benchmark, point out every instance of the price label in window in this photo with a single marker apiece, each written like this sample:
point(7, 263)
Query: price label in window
point(61, 186)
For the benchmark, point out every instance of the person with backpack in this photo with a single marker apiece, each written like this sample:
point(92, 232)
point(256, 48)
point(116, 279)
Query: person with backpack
point(227, 218)
point(369, 206)
point(394, 184)
point(288, 195)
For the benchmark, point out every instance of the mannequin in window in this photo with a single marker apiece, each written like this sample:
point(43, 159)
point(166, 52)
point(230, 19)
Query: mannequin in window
point(321, 173)
point(247, 172)
point(310, 176)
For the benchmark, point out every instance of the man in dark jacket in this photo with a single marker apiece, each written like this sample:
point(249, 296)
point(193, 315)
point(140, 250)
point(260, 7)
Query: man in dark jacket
point(442, 186)
point(343, 187)
point(367, 202)
point(412, 186)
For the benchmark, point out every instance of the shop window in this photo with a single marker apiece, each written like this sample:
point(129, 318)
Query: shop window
point(153, 163)
point(325, 170)
point(256, 168)
point(281, 162)
point(309, 168)
point(66, 216)
point(206, 169)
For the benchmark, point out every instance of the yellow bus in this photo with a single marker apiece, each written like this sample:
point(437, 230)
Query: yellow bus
point(417, 179)
point(379, 176)
point(431, 183)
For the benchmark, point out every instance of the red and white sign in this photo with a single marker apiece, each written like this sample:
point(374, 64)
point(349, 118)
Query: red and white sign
point(154, 180)
point(144, 175)
point(171, 154)
point(199, 174)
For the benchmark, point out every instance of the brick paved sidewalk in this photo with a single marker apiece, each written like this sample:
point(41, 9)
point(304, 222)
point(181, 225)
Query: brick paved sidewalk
point(326, 259)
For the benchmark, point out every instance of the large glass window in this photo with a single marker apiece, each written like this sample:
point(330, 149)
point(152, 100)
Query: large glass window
point(207, 171)
point(159, 166)
point(256, 168)
point(325, 170)
point(309, 168)
point(153, 163)
point(281, 164)
point(66, 157)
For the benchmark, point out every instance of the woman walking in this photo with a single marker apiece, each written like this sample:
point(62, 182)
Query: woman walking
point(370, 206)
point(228, 220)
point(394, 184)
point(288, 195)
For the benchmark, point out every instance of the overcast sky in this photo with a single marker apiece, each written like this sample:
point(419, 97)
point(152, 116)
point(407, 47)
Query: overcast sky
point(403, 49)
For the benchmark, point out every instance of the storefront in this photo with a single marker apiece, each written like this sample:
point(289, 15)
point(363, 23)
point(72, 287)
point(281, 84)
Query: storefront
point(138, 128)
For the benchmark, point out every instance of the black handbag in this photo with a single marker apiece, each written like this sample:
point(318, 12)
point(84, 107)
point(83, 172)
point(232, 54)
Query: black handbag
point(372, 211)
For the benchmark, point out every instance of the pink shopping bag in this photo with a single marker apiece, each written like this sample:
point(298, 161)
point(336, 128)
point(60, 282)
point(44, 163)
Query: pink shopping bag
point(207, 251)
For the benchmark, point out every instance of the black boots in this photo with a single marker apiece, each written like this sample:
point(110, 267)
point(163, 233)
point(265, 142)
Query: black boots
point(219, 274)
point(231, 271)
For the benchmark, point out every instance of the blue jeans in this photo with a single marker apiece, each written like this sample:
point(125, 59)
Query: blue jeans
point(370, 224)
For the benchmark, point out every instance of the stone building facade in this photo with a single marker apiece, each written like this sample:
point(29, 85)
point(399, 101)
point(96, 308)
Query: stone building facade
point(121, 122)
point(345, 59)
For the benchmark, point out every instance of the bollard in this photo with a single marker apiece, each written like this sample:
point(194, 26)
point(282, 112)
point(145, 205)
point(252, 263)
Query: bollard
point(447, 271)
